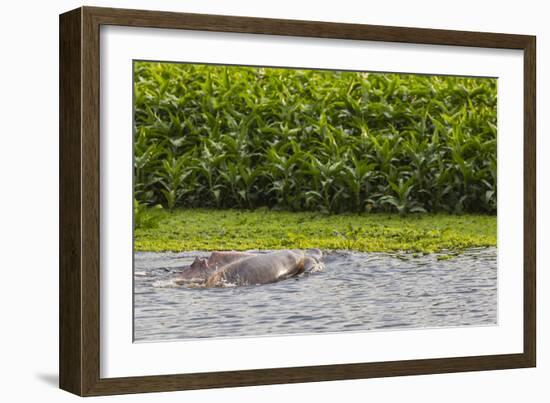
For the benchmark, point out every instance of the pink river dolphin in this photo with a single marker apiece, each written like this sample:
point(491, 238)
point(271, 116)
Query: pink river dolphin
point(247, 268)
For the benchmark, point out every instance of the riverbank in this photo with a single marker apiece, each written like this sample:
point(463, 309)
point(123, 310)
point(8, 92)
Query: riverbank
point(205, 229)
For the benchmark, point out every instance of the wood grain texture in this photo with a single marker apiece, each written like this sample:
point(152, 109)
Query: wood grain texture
point(90, 201)
point(80, 201)
point(70, 271)
point(316, 29)
point(305, 374)
point(530, 203)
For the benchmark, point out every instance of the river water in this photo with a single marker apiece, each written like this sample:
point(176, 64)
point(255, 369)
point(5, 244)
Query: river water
point(355, 292)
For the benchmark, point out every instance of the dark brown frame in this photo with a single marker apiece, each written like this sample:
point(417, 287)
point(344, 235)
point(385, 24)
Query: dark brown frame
point(79, 201)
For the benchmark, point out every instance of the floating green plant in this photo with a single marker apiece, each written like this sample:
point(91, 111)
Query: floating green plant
point(208, 229)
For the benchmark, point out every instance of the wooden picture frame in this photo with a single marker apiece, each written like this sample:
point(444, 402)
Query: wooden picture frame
point(79, 281)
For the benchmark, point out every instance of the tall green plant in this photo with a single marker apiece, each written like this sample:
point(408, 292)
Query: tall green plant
point(334, 141)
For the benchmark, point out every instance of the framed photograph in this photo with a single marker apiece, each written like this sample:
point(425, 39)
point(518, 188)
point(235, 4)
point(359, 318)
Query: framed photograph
point(249, 201)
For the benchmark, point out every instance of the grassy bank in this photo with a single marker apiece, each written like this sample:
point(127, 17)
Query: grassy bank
point(205, 229)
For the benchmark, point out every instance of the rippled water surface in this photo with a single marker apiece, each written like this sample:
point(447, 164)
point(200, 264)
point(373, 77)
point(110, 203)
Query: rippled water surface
point(356, 291)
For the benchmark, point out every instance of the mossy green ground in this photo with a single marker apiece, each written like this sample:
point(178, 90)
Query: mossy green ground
point(204, 229)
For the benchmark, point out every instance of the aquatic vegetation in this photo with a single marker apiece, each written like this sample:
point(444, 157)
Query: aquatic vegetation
point(212, 229)
point(312, 140)
point(145, 217)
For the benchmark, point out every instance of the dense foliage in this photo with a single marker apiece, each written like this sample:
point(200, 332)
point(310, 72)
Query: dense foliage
point(210, 229)
point(242, 137)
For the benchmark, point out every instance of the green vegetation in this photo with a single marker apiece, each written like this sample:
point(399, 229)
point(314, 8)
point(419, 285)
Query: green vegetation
point(304, 140)
point(207, 229)
point(254, 158)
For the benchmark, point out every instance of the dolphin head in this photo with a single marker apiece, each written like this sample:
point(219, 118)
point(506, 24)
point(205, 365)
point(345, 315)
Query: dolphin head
point(199, 263)
point(196, 272)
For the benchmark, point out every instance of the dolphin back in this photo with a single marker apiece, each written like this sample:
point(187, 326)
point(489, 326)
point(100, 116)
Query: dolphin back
point(259, 269)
